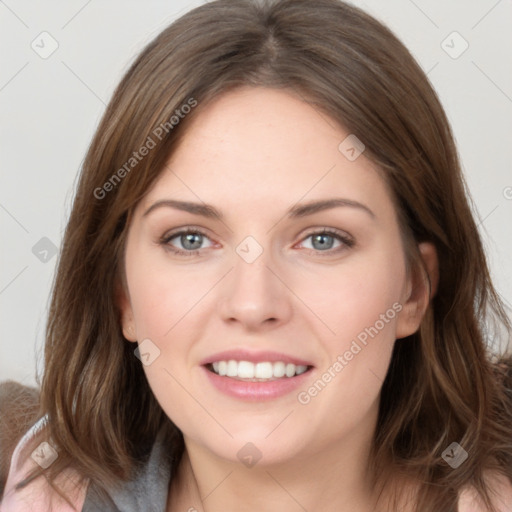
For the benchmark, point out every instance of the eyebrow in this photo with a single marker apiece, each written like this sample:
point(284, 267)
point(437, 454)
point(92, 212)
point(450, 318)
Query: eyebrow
point(297, 211)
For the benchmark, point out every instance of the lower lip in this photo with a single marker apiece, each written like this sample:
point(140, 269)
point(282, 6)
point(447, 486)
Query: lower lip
point(256, 391)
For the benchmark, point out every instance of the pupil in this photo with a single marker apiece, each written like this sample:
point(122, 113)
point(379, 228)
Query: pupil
point(321, 239)
point(190, 238)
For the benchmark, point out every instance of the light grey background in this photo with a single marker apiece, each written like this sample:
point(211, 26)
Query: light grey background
point(50, 108)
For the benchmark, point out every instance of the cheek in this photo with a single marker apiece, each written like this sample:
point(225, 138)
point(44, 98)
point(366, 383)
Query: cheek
point(152, 303)
point(362, 292)
point(161, 294)
point(361, 308)
point(161, 298)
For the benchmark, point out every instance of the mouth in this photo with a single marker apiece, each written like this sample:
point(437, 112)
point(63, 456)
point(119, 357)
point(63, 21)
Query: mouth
point(251, 376)
point(263, 371)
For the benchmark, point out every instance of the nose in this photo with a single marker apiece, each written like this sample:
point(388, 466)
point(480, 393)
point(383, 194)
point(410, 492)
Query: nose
point(255, 295)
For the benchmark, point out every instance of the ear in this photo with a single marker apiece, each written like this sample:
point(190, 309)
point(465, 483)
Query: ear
point(126, 313)
point(421, 287)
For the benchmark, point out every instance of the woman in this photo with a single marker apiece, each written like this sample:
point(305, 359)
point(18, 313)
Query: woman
point(272, 293)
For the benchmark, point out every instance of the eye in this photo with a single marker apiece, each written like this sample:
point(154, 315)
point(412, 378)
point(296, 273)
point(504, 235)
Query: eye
point(324, 240)
point(190, 240)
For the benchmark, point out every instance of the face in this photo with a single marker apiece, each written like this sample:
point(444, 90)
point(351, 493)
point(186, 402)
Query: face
point(225, 299)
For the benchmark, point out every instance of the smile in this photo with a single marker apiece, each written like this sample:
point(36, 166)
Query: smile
point(256, 372)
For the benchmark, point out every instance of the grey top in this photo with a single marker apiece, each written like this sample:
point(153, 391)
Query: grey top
point(146, 492)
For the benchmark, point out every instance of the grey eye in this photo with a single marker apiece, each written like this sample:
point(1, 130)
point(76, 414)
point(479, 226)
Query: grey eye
point(191, 241)
point(322, 241)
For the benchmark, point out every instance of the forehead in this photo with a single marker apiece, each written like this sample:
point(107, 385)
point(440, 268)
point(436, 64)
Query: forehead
point(256, 146)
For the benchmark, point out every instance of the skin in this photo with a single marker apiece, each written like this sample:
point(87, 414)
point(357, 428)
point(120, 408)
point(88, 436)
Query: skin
point(253, 153)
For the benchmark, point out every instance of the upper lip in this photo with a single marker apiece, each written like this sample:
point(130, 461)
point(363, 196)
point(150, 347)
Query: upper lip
point(254, 357)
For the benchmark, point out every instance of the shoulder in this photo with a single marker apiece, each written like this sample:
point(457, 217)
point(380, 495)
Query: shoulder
point(38, 495)
point(500, 490)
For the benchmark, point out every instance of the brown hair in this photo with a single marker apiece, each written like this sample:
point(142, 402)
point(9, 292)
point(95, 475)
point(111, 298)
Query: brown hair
point(442, 385)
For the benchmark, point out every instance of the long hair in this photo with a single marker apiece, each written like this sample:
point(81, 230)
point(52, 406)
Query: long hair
point(443, 385)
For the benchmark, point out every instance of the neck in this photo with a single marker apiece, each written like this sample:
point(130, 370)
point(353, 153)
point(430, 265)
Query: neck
point(335, 479)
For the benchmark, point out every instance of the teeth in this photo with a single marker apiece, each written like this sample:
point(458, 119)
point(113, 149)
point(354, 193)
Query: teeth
point(263, 370)
point(290, 370)
point(232, 370)
point(245, 370)
point(300, 369)
point(279, 369)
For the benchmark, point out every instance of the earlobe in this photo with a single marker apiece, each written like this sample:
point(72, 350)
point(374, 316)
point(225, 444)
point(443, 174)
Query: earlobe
point(129, 331)
point(421, 288)
point(126, 315)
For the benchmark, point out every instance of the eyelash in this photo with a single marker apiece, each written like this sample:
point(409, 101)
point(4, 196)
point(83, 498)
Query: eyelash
point(339, 235)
